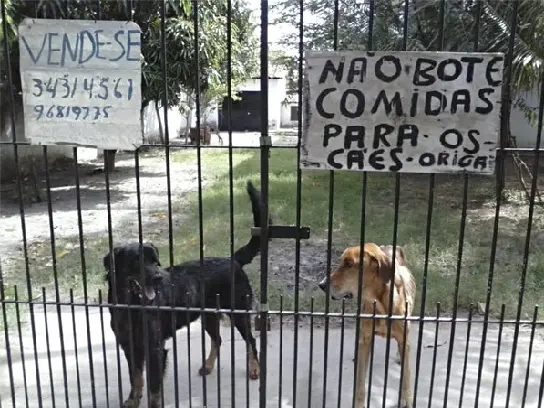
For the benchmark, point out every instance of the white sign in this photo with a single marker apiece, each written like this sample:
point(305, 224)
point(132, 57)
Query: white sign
point(415, 112)
point(81, 82)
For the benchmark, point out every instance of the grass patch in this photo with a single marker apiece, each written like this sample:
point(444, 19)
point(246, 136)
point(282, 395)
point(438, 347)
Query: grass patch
point(379, 212)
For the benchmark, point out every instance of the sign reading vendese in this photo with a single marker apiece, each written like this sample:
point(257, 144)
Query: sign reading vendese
point(81, 82)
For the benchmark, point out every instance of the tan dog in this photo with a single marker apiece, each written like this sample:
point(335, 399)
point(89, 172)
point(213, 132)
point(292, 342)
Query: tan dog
point(377, 274)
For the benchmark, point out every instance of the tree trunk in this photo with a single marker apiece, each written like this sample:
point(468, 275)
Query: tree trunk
point(161, 133)
point(109, 160)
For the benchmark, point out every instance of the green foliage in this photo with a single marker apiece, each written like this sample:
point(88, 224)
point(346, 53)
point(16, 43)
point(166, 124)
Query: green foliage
point(185, 65)
point(461, 18)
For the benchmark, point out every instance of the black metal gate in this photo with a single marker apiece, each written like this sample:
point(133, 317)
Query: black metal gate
point(476, 337)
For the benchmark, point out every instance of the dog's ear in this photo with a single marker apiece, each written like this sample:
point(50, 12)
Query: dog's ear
point(106, 259)
point(151, 252)
point(384, 265)
point(401, 255)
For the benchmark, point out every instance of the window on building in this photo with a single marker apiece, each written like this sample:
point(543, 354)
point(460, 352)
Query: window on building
point(294, 113)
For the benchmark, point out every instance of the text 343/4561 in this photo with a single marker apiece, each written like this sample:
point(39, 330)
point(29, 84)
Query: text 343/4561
point(73, 112)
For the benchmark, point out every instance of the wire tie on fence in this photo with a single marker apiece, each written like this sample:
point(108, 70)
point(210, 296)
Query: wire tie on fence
point(266, 140)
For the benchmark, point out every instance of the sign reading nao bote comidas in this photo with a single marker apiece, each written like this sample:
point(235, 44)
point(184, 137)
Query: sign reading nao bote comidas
point(418, 112)
point(81, 82)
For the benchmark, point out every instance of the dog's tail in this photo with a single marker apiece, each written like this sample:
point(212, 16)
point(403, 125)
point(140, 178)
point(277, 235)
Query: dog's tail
point(245, 254)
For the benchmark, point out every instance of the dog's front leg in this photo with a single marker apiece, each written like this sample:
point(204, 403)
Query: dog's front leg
point(157, 365)
point(404, 352)
point(362, 364)
point(135, 360)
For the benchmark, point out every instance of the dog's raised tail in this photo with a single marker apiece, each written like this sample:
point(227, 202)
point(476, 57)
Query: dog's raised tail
point(245, 254)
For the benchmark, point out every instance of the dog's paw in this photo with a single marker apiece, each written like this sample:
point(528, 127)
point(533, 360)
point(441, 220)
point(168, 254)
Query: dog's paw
point(204, 370)
point(131, 403)
point(254, 373)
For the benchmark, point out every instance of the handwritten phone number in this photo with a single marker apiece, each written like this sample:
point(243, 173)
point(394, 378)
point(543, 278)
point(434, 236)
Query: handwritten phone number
point(100, 87)
point(73, 112)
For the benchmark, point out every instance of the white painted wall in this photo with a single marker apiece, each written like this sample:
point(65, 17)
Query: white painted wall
point(286, 114)
point(276, 95)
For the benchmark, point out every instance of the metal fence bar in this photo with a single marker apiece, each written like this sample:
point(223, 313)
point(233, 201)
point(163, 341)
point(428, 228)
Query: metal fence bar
point(104, 354)
point(21, 345)
point(55, 271)
point(499, 190)
point(76, 354)
point(329, 233)
point(47, 345)
point(265, 152)
point(499, 340)
point(7, 343)
point(529, 356)
point(84, 276)
point(298, 213)
point(465, 362)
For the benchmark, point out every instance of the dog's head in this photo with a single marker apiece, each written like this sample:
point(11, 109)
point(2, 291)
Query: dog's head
point(377, 270)
point(141, 275)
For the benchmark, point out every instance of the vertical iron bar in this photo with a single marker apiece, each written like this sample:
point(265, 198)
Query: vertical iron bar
point(505, 110)
point(530, 354)
point(231, 200)
point(541, 389)
point(144, 315)
point(20, 197)
point(534, 184)
point(78, 378)
point(457, 283)
point(84, 277)
point(341, 360)
point(188, 317)
point(218, 321)
point(435, 352)
point(167, 135)
point(428, 231)
point(197, 70)
point(465, 362)
point(281, 355)
point(113, 277)
point(168, 173)
point(329, 233)
point(248, 305)
point(358, 323)
point(21, 345)
point(104, 354)
point(499, 340)
point(55, 271)
point(298, 197)
point(173, 318)
point(7, 341)
point(401, 355)
point(311, 356)
point(391, 287)
point(47, 345)
point(372, 344)
point(265, 152)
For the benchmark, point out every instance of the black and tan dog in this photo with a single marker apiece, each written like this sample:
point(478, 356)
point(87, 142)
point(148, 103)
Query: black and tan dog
point(190, 284)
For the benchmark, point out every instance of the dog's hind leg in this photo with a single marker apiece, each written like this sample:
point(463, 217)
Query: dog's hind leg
point(243, 324)
point(211, 325)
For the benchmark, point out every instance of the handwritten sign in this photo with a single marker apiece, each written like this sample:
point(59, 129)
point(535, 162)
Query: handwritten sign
point(416, 112)
point(81, 82)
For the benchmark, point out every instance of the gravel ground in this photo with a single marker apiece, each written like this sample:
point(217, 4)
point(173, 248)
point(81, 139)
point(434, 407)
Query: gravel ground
point(123, 198)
